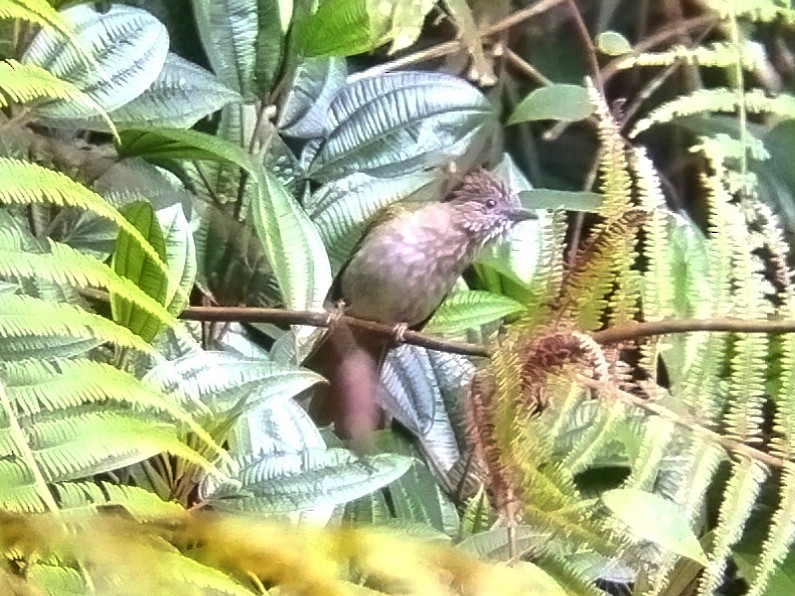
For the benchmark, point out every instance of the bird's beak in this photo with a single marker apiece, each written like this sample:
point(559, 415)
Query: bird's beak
point(517, 214)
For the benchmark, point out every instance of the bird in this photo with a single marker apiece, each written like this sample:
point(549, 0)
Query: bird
point(408, 259)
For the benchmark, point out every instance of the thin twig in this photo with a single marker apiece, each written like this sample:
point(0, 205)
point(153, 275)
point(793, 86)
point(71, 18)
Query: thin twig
point(451, 47)
point(654, 407)
point(585, 35)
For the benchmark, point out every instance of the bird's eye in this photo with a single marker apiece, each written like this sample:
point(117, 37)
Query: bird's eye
point(491, 203)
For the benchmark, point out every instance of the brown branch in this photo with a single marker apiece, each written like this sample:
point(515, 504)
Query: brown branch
point(248, 314)
point(668, 327)
point(624, 333)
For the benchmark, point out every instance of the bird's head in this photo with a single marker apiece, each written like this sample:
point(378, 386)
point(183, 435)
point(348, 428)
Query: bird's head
point(485, 207)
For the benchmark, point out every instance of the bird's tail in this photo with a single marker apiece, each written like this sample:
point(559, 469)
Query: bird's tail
point(350, 360)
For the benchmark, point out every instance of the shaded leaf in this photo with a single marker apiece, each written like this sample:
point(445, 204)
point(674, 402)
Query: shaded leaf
point(228, 31)
point(657, 519)
point(554, 102)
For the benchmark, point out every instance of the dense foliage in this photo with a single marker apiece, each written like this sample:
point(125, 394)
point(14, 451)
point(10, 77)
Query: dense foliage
point(606, 400)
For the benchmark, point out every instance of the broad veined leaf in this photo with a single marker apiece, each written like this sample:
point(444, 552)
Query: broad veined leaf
point(293, 245)
point(347, 27)
point(182, 94)
point(270, 43)
point(130, 261)
point(339, 28)
point(554, 102)
point(224, 381)
point(613, 43)
point(441, 443)
point(283, 483)
point(470, 309)
point(415, 497)
point(657, 519)
point(400, 123)
point(231, 259)
point(228, 30)
point(180, 254)
point(283, 429)
point(410, 391)
point(314, 85)
point(128, 45)
point(175, 143)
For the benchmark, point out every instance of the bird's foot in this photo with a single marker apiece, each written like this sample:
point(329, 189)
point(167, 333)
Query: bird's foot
point(335, 314)
point(399, 332)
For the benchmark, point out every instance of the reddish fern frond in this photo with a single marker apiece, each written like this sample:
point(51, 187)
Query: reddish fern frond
point(480, 427)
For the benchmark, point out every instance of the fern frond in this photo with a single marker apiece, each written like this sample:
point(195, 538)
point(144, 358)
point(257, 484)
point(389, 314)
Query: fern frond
point(45, 346)
point(763, 11)
point(658, 292)
point(64, 265)
point(736, 506)
point(39, 12)
point(141, 504)
point(25, 317)
point(26, 183)
point(75, 444)
point(608, 252)
point(706, 101)
point(717, 54)
point(780, 536)
point(26, 83)
point(19, 444)
point(657, 438)
point(18, 487)
point(37, 387)
point(548, 275)
point(616, 184)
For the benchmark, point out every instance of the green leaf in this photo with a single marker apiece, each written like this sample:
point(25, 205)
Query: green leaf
point(130, 261)
point(228, 31)
point(398, 21)
point(565, 102)
point(470, 309)
point(293, 245)
point(175, 143)
point(269, 46)
point(655, 518)
point(400, 123)
point(613, 43)
point(545, 198)
point(224, 381)
point(314, 84)
point(180, 254)
point(287, 482)
point(182, 94)
point(128, 46)
point(339, 28)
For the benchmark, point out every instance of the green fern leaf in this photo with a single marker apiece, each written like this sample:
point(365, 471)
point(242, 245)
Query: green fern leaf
point(24, 183)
